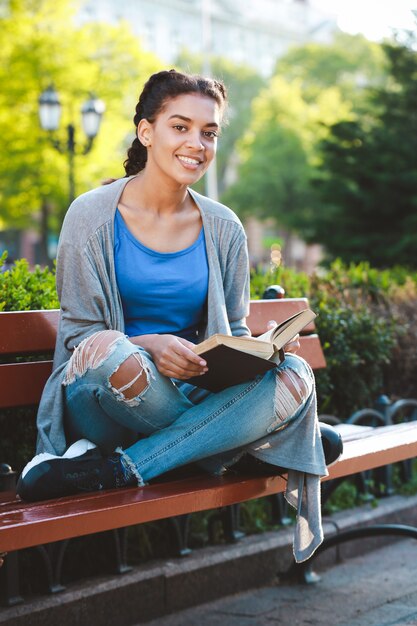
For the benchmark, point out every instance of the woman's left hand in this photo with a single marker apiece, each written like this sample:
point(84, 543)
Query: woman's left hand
point(292, 346)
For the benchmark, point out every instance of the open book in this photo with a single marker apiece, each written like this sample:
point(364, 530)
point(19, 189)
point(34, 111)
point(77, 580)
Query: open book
point(233, 360)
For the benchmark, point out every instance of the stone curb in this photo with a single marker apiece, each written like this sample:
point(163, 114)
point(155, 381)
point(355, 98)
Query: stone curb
point(163, 587)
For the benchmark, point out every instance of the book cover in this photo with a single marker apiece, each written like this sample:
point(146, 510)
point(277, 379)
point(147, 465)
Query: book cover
point(228, 367)
point(233, 360)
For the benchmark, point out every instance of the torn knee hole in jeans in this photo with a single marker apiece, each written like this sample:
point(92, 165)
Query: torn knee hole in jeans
point(134, 370)
point(291, 391)
point(91, 353)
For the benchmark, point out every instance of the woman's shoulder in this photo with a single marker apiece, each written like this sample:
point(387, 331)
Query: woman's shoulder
point(94, 208)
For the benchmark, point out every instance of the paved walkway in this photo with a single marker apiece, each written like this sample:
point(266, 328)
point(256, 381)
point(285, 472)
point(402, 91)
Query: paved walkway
point(377, 589)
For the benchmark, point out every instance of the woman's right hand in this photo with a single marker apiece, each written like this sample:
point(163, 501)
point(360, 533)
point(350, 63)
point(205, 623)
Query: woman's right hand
point(174, 356)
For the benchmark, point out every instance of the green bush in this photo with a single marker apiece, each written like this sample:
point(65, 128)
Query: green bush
point(367, 320)
point(357, 347)
point(22, 289)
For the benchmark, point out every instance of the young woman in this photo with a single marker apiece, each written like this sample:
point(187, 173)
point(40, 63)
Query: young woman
point(146, 268)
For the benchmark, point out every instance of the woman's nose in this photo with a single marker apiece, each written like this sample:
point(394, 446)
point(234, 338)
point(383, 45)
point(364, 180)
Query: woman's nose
point(194, 141)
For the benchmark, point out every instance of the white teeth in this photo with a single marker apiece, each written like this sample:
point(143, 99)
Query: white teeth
point(189, 160)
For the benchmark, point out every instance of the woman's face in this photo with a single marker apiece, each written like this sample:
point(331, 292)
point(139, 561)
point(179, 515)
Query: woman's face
point(182, 140)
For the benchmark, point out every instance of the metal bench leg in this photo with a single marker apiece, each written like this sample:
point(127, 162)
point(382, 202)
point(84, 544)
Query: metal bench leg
point(303, 572)
point(10, 580)
point(228, 516)
point(180, 526)
point(52, 556)
point(120, 545)
point(279, 509)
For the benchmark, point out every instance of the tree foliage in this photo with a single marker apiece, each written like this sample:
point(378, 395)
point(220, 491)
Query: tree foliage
point(368, 176)
point(40, 44)
point(350, 63)
point(277, 153)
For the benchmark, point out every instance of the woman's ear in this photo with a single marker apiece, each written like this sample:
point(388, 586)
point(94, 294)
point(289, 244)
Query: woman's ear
point(144, 132)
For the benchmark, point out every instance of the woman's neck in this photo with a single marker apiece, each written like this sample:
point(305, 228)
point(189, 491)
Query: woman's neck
point(161, 197)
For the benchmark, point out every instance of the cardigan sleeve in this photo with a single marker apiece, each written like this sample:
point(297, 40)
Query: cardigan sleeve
point(86, 285)
point(237, 284)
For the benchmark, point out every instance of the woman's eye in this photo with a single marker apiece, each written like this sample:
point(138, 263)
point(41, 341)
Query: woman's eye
point(180, 127)
point(211, 134)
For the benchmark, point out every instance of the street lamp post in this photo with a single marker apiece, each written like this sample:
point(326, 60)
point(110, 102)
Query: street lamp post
point(50, 115)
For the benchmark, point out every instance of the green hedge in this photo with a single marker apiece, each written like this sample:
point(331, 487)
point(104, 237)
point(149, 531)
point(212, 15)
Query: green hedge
point(22, 289)
point(367, 322)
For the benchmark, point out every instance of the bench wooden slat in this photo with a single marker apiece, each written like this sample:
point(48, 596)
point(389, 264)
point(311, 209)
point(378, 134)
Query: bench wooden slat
point(21, 384)
point(28, 332)
point(312, 352)
point(36, 374)
point(262, 311)
point(27, 525)
point(31, 332)
point(383, 446)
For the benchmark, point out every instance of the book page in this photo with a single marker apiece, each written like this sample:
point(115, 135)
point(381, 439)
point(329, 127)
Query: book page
point(286, 330)
point(245, 344)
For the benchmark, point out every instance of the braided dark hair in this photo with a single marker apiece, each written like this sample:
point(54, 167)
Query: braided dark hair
point(157, 90)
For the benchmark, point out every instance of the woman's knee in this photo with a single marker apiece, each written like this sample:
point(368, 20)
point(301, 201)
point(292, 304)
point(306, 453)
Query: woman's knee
point(294, 385)
point(129, 377)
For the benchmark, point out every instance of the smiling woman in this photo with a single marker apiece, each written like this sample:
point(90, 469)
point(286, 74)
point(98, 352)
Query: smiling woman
point(146, 269)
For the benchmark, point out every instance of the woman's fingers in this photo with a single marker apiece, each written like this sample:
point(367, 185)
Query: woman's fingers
point(178, 360)
point(293, 346)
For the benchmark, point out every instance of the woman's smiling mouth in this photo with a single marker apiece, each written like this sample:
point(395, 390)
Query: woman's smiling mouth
point(189, 162)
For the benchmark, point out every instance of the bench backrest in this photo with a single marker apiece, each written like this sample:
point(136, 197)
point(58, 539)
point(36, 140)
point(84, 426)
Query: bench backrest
point(25, 334)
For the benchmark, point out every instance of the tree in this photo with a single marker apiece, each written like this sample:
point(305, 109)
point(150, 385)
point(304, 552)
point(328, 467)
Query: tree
point(277, 153)
point(349, 62)
point(40, 43)
point(368, 176)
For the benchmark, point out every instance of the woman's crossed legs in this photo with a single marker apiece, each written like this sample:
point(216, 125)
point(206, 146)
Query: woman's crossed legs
point(117, 399)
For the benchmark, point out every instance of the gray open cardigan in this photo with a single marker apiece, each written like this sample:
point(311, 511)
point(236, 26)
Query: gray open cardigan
point(90, 302)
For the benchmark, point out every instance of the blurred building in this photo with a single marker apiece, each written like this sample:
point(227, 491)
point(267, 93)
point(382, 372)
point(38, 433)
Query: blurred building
point(252, 32)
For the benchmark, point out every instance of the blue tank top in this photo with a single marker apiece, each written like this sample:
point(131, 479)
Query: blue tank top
point(161, 292)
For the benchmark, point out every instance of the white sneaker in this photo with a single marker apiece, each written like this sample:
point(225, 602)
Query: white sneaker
point(77, 449)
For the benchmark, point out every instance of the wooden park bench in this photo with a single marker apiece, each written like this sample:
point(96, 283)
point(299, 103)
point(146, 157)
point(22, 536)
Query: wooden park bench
point(23, 525)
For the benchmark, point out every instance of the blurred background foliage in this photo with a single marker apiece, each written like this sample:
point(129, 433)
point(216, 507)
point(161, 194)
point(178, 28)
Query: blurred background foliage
point(330, 150)
point(40, 45)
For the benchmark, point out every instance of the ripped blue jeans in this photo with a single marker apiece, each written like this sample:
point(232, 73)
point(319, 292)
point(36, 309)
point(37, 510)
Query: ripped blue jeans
point(172, 423)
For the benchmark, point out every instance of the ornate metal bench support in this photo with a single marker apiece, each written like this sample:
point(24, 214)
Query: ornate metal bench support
point(303, 572)
point(52, 556)
point(119, 536)
point(9, 577)
point(180, 525)
point(228, 516)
